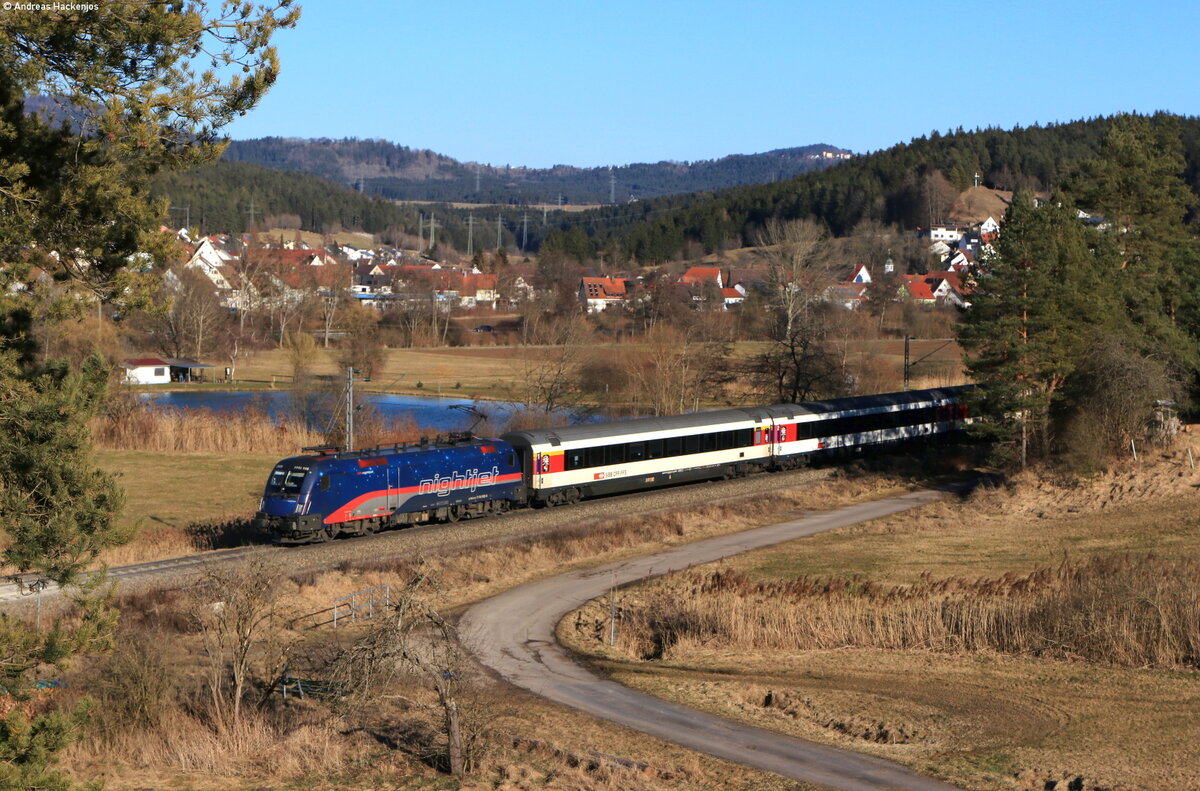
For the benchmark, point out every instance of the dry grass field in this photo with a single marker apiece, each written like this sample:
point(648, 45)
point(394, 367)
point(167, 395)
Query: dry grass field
point(166, 494)
point(982, 718)
point(493, 372)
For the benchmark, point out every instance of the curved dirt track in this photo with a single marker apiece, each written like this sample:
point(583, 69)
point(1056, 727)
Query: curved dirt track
point(513, 634)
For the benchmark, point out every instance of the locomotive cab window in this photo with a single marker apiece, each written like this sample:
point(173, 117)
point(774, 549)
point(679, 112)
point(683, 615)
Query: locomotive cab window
point(326, 482)
point(286, 479)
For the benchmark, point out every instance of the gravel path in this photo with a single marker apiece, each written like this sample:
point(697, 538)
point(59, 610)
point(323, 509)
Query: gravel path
point(513, 634)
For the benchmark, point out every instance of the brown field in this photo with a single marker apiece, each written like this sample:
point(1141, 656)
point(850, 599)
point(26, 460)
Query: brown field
point(316, 241)
point(981, 718)
point(492, 372)
point(167, 493)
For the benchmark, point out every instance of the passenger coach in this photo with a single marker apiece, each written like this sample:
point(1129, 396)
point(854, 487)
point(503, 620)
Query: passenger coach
point(562, 465)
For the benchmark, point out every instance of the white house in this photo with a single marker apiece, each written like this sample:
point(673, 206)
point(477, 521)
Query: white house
point(733, 296)
point(147, 371)
point(945, 233)
point(989, 226)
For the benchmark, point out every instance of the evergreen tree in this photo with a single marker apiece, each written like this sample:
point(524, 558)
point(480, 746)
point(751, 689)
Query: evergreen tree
point(1040, 302)
point(143, 87)
point(1136, 190)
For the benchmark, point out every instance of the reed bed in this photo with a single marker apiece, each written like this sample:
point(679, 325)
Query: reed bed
point(164, 429)
point(1131, 611)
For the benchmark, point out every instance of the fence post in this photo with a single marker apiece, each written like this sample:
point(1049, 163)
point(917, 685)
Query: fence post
point(1191, 461)
point(1134, 448)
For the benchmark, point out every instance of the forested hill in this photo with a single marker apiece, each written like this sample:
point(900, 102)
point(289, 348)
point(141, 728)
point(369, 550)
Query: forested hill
point(381, 168)
point(909, 185)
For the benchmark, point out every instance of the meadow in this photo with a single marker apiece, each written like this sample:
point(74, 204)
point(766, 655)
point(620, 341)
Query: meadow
point(1044, 636)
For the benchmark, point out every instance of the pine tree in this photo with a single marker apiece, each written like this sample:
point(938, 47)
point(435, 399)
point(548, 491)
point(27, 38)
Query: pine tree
point(1039, 303)
point(1136, 190)
point(134, 83)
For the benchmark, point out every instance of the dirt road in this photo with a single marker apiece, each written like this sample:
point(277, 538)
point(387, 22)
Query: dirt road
point(513, 634)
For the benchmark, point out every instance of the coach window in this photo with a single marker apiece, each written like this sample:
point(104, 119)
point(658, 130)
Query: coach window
point(708, 442)
point(616, 454)
point(675, 446)
point(725, 440)
point(595, 457)
point(691, 444)
point(654, 449)
point(637, 451)
point(574, 459)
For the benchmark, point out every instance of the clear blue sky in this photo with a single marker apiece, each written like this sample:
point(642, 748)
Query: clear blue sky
point(612, 82)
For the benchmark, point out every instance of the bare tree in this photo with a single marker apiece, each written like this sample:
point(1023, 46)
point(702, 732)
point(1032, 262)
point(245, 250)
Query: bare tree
point(239, 614)
point(799, 268)
point(675, 369)
point(362, 346)
point(413, 639)
point(799, 363)
point(301, 352)
point(549, 376)
point(188, 318)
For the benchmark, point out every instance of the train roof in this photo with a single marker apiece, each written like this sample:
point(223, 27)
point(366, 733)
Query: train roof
point(332, 452)
point(619, 428)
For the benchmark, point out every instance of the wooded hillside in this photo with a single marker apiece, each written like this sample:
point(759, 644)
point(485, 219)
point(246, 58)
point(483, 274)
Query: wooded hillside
point(397, 172)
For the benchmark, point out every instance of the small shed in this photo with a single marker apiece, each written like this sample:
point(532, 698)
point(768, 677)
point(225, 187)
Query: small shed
point(184, 369)
point(147, 371)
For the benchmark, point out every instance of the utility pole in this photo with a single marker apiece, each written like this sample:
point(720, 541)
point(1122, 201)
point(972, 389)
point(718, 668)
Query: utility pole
point(497, 231)
point(524, 231)
point(545, 208)
point(349, 409)
point(252, 226)
point(470, 235)
point(421, 231)
point(432, 231)
point(612, 186)
point(187, 217)
point(906, 362)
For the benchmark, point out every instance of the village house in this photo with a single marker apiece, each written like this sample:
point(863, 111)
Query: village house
point(601, 293)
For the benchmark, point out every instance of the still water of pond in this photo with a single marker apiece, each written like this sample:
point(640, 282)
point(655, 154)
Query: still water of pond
point(427, 412)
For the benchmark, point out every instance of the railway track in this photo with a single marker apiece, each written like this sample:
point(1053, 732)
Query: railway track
point(20, 587)
point(429, 539)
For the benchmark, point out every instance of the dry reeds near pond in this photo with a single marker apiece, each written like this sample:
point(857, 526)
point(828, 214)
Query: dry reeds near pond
point(135, 426)
point(201, 431)
point(1130, 611)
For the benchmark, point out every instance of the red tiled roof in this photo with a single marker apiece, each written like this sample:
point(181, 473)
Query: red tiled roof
point(603, 288)
point(918, 288)
point(698, 275)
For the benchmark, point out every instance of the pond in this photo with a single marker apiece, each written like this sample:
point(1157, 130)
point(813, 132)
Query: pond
point(427, 412)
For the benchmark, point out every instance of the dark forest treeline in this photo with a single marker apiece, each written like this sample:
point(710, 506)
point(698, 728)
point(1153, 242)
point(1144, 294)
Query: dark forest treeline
point(396, 172)
point(890, 186)
point(219, 198)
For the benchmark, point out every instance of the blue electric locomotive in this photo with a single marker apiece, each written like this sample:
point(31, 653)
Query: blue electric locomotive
point(329, 493)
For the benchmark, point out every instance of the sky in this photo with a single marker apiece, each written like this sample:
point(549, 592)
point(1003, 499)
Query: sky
point(612, 82)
